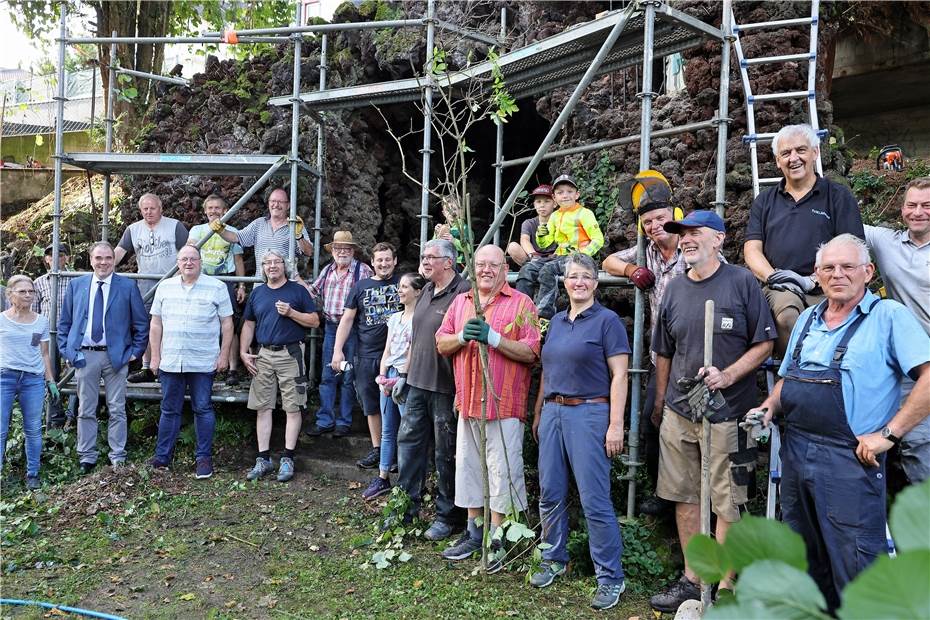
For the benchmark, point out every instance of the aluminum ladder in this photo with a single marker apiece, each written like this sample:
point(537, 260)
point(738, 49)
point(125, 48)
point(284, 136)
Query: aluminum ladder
point(752, 138)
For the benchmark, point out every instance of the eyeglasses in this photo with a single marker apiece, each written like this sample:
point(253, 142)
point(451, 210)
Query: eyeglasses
point(269, 263)
point(25, 292)
point(582, 277)
point(188, 259)
point(847, 268)
point(428, 258)
point(278, 202)
point(342, 248)
point(491, 266)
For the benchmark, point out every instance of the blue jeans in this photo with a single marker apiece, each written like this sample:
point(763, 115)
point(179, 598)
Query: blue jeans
point(173, 386)
point(429, 423)
point(331, 382)
point(574, 437)
point(391, 413)
point(29, 389)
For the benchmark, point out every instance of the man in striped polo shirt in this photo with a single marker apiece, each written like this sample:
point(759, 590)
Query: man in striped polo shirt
point(509, 328)
point(189, 313)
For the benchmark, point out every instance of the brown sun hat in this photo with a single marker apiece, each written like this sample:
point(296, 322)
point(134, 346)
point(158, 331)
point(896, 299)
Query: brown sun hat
point(340, 236)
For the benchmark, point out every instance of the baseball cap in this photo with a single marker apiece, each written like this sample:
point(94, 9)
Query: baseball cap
point(565, 178)
point(63, 248)
point(697, 219)
point(542, 190)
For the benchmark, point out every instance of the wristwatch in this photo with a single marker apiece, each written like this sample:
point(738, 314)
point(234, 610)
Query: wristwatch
point(887, 434)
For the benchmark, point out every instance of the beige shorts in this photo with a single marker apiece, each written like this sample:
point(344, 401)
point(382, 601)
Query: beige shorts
point(732, 466)
point(505, 447)
point(780, 301)
point(279, 371)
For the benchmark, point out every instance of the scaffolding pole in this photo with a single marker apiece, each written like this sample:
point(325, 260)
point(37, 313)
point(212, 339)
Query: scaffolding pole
point(645, 140)
point(318, 210)
point(110, 120)
point(150, 76)
point(56, 210)
point(567, 110)
point(720, 188)
point(323, 28)
point(427, 122)
point(295, 122)
point(499, 146)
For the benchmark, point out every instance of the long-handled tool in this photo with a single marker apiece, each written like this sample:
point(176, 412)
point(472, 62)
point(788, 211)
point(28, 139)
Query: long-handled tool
point(705, 452)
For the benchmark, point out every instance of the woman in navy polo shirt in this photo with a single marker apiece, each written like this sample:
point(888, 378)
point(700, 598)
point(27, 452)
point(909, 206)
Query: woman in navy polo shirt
point(585, 360)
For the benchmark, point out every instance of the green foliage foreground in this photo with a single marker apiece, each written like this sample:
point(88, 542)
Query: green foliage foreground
point(772, 565)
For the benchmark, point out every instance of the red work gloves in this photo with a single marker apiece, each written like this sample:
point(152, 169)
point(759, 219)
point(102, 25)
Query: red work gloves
point(642, 278)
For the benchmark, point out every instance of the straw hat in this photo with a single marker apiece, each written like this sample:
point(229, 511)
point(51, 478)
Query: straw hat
point(340, 236)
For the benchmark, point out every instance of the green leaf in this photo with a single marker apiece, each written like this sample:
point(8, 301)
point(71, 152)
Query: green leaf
point(909, 523)
point(707, 558)
point(755, 538)
point(130, 93)
point(404, 557)
point(784, 590)
point(39, 140)
point(745, 610)
point(890, 588)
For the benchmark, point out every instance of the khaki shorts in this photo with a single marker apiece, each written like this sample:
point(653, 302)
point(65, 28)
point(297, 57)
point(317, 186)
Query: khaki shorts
point(279, 370)
point(732, 464)
point(505, 447)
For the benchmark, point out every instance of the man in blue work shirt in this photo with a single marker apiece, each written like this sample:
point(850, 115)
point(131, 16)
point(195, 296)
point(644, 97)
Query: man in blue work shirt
point(839, 393)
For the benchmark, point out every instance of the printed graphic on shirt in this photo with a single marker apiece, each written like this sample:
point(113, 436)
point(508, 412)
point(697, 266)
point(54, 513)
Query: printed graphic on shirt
point(379, 303)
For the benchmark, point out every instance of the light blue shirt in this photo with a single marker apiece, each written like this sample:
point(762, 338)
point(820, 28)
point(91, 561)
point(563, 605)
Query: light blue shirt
point(20, 347)
point(190, 319)
point(888, 345)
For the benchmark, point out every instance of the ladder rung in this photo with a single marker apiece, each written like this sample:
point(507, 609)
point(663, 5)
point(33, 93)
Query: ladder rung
point(770, 180)
point(779, 23)
point(796, 94)
point(767, 137)
point(747, 62)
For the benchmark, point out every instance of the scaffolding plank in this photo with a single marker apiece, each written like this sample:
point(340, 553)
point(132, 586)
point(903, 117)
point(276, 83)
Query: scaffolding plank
point(536, 68)
point(180, 164)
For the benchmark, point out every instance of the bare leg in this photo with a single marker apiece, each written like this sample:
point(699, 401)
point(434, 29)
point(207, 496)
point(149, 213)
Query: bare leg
point(374, 429)
point(721, 535)
point(688, 520)
point(263, 429)
point(234, 354)
point(517, 253)
point(292, 430)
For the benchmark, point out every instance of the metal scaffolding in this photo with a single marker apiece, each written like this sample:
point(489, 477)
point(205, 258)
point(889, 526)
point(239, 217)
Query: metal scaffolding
point(630, 37)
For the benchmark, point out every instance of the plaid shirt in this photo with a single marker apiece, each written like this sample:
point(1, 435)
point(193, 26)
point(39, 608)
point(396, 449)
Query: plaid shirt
point(43, 298)
point(511, 379)
point(333, 288)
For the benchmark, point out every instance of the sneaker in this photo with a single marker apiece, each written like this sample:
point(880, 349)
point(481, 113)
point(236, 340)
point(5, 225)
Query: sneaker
point(204, 468)
point(463, 548)
point(655, 506)
point(607, 595)
point(143, 376)
point(233, 378)
point(438, 530)
point(316, 430)
point(32, 483)
point(262, 468)
point(86, 468)
point(285, 469)
point(370, 460)
point(496, 557)
point(378, 487)
point(157, 463)
point(547, 573)
point(671, 599)
point(341, 431)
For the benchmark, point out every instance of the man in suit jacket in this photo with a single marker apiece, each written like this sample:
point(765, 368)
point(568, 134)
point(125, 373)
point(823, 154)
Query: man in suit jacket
point(103, 326)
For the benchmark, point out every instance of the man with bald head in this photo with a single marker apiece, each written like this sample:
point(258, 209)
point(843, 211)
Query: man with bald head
point(155, 241)
point(509, 326)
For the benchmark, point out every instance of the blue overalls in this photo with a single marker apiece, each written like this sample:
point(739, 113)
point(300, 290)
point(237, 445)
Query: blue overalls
point(833, 501)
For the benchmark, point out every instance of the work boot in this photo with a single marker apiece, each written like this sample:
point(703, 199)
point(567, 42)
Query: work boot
point(671, 599)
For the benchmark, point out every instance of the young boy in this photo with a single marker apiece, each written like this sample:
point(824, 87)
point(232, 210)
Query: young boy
point(573, 228)
point(527, 254)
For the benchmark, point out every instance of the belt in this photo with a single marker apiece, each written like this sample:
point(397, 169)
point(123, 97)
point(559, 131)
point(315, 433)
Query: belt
point(101, 347)
point(279, 347)
point(568, 401)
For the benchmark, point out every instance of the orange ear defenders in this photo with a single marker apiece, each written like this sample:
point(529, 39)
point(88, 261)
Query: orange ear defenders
point(649, 187)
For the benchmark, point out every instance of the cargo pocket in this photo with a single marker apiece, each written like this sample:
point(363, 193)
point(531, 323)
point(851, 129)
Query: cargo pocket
point(742, 466)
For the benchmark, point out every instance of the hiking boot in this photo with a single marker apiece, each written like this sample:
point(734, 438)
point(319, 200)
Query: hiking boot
point(438, 530)
point(370, 460)
point(341, 431)
point(655, 506)
point(378, 487)
point(262, 468)
point(285, 469)
point(32, 483)
point(143, 376)
point(671, 599)
point(204, 468)
point(233, 378)
point(157, 463)
point(607, 595)
point(547, 573)
point(316, 430)
point(463, 548)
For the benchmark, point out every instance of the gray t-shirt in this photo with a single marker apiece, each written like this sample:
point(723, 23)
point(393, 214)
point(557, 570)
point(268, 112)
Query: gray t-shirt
point(156, 249)
point(742, 318)
point(905, 269)
point(528, 227)
point(427, 369)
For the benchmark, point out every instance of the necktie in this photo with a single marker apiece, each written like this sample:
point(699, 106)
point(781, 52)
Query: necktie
point(96, 324)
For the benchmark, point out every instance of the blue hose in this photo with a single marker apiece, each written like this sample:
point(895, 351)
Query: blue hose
point(71, 610)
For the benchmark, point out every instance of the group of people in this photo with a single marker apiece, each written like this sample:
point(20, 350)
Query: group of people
point(429, 355)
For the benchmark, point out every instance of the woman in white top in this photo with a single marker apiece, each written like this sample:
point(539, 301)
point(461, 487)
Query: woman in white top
point(25, 371)
point(393, 379)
